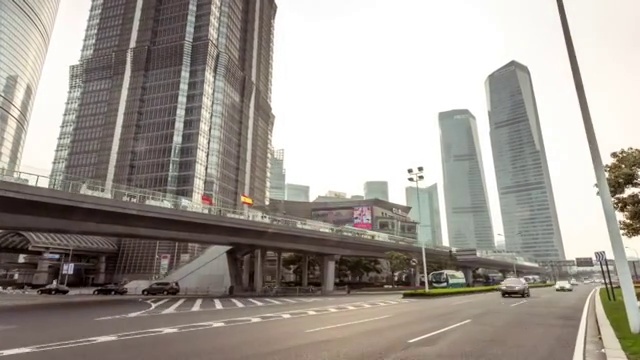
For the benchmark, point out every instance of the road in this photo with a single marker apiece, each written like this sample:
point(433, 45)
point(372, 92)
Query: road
point(481, 326)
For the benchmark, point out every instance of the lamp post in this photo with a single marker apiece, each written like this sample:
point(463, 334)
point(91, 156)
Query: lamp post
point(416, 177)
point(635, 271)
point(624, 273)
point(515, 258)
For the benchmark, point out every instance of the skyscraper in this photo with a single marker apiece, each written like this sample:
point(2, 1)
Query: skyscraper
point(25, 31)
point(277, 179)
point(173, 97)
point(297, 192)
point(465, 191)
point(376, 190)
point(428, 215)
point(526, 197)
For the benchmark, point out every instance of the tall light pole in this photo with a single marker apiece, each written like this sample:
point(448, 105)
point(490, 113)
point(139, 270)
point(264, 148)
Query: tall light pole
point(515, 258)
point(635, 271)
point(620, 257)
point(416, 176)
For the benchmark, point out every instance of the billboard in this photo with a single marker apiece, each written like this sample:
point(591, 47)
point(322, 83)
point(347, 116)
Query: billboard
point(584, 262)
point(362, 217)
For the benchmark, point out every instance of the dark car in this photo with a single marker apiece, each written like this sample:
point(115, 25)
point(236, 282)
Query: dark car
point(164, 288)
point(111, 289)
point(53, 289)
point(515, 286)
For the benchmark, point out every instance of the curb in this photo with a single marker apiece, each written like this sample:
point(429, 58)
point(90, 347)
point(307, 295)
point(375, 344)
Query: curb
point(612, 348)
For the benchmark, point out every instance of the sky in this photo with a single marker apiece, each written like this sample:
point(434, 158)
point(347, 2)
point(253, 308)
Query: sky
point(358, 85)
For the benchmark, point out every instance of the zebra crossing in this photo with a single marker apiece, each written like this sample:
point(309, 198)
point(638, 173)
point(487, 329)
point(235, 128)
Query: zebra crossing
point(164, 306)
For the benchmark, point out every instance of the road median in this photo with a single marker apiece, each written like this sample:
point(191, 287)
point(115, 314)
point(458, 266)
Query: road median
point(460, 291)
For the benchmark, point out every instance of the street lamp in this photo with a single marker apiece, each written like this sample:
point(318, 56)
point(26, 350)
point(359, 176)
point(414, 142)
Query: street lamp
point(515, 258)
point(416, 176)
point(624, 273)
point(635, 271)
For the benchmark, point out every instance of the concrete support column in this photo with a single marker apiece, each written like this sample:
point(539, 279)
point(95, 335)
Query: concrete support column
point(258, 270)
point(468, 276)
point(235, 271)
point(41, 276)
point(305, 270)
point(101, 272)
point(328, 273)
point(278, 267)
point(246, 271)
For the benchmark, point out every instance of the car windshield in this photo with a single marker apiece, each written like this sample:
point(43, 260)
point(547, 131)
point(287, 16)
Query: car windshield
point(513, 282)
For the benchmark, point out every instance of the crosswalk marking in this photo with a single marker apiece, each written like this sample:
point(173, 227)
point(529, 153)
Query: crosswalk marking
point(273, 301)
point(217, 303)
point(287, 300)
point(173, 307)
point(196, 305)
point(159, 302)
point(256, 302)
point(238, 303)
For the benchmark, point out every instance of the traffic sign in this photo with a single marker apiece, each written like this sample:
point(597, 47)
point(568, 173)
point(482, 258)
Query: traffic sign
point(601, 256)
point(584, 262)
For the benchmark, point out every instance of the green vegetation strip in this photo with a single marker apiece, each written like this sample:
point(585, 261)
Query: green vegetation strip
point(460, 291)
point(617, 316)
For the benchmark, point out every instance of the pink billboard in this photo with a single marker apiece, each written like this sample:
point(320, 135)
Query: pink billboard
point(362, 217)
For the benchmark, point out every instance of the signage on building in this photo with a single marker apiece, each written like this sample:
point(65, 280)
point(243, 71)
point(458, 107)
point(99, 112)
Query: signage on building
point(399, 212)
point(584, 262)
point(164, 263)
point(68, 268)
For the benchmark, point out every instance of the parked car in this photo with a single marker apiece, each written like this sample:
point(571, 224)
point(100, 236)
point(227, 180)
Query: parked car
point(110, 289)
point(53, 289)
point(515, 286)
point(164, 288)
point(563, 286)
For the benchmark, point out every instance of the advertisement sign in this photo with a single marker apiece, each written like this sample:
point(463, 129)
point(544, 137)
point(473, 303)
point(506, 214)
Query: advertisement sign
point(362, 217)
point(164, 263)
point(584, 262)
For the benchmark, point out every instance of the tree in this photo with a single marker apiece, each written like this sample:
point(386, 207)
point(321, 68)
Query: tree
point(623, 178)
point(397, 262)
point(357, 267)
point(294, 262)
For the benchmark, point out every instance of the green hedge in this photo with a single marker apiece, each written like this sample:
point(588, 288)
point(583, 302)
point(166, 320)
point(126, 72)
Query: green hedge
point(460, 291)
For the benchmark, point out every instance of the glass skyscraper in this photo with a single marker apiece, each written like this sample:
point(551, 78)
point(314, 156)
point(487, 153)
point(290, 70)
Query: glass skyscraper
point(526, 196)
point(25, 31)
point(465, 191)
point(295, 192)
point(277, 177)
point(376, 190)
point(428, 215)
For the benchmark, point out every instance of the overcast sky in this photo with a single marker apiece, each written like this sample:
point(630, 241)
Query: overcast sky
point(358, 85)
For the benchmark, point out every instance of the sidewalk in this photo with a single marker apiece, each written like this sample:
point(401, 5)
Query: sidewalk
point(612, 347)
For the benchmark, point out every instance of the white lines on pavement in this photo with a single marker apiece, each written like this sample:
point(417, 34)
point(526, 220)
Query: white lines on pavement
point(238, 303)
point(287, 300)
point(273, 301)
point(519, 303)
point(439, 331)
point(217, 303)
point(193, 327)
point(578, 351)
point(346, 324)
point(7, 327)
point(256, 302)
point(173, 307)
point(196, 305)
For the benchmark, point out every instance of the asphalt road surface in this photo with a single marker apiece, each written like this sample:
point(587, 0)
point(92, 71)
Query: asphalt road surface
point(483, 326)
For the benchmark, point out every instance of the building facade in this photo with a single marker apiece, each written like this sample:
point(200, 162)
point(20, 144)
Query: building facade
point(172, 97)
point(295, 192)
point(277, 178)
point(425, 209)
point(376, 190)
point(25, 31)
point(527, 204)
point(465, 191)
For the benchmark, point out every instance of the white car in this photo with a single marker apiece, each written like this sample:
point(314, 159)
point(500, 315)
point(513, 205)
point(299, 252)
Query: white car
point(573, 282)
point(563, 286)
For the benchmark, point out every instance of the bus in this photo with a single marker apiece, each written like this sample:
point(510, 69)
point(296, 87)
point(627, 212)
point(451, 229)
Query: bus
point(447, 279)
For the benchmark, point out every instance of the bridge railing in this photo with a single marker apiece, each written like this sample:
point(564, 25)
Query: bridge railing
point(95, 188)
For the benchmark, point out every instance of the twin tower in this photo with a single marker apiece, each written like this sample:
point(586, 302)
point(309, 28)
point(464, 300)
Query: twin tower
point(524, 186)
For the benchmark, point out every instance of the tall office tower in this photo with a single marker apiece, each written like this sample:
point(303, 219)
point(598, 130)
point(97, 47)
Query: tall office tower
point(465, 191)
point(25, 31)
point(526, 197)
point(277, 177)
point(425, 209)
point(296, 192)
point(376, 190)
point(174, 97)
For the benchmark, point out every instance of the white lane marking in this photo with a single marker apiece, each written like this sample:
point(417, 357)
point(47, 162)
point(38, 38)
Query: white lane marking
point(170, 330)
point(346, 324)
point(217, 303)
point(150, 302)
point(7, 327)
point(439, 331)
point(196, 305)
point(273, 301)
point(256, 302)
point(578, 351)
point(519, 303)
point(461, 302)
point(173, 307)
point(287, 300)
point(237, 303)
